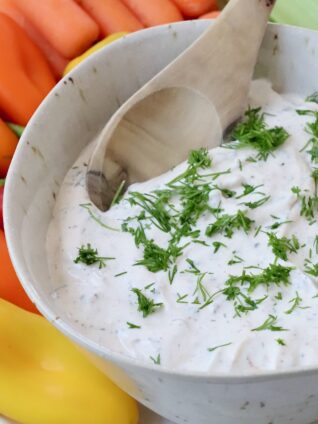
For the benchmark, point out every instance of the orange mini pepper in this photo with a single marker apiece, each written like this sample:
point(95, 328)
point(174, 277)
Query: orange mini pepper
point(25, 76)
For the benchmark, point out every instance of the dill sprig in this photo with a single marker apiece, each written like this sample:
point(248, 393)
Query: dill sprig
point(282, 246)
point(248, 189)
point(89, 256)
point(270, 325)
point(212, 349)
point(145, 305)
point(253, 132)
point(157, 360)
point(310, 268)
point(257, 204)
point(296, 302)
point(226, 224)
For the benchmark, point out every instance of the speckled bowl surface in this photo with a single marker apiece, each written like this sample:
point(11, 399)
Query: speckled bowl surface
point(72, 114)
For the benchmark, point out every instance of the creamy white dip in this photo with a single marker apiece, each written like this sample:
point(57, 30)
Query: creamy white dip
point(198, 327)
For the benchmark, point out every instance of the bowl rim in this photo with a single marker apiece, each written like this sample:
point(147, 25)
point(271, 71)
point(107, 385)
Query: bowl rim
point(48, 313)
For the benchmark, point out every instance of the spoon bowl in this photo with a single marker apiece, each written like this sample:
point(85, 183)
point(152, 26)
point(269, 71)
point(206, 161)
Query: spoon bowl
point(140, 141)
point(186, 106)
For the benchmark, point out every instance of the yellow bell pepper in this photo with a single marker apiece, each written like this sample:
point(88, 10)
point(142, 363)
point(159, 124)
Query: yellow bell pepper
point(45, 379)
point(93, 49)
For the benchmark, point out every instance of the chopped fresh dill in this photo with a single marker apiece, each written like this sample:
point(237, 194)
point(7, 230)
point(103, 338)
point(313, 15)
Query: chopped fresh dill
point(118, 194)
point(281, 342)
point(311, 269)
point(157, 360)
point(212, 349)
point(201, 289)
point(89, 256)
point(253, 132)
point(149, 286)
point(248, 189)
point(172, 273)
point(279, 296)
point(235, 260)
point(132, 326)
point(270, 325)
point(181, 299)
point(145, 305)
point(193, 268)
point(276, 225)
point(257, 204)
point(217, 245)
point(88, 207)
point(225, 192)
point(282, 246)
point(226, 224)
point(316, 244)
point(120, 274)
point(258, 229)
point(296, 302)
point(313, 98)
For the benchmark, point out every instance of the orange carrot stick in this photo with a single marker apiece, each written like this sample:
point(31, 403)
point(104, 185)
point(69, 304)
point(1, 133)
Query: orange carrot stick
point(111, 16)
point(211, 15)
point(63, 23)
point(8, 143)
point(154, 12)
point(195, 8)
point(56, 61)
point(25, 76)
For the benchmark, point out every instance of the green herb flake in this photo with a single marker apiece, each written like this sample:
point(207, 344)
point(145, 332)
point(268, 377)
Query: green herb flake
point(253, 132)
point(281, 342)
point(132, 326)
point(269, 325)
point(157, 360)
point(145, 305)
point(89, 256)
point(212, 349)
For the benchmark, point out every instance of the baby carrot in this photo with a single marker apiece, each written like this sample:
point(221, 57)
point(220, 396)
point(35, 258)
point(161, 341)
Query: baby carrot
point(63, 23)
point(55, 60)
point(195, 8)
point(111, 16)
point(154, 12)
point(211, 15)
point(8, 143)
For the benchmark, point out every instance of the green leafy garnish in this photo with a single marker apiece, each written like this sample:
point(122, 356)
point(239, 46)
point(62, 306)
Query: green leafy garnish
point(89, 256)
point(212, 349)
point(88, 207)
point(270, 325)
point(282, 246)
point(145, 305)
point(254, 133)
point(132, 326)
point(157, 360)
point(226, 224)
point(281, 342)
point(296, 302)
point(217, 245)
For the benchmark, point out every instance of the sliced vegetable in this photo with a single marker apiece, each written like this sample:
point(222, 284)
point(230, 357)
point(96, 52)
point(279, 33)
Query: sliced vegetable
point(196, 8)
point(10, 287)
point(56, 61)
point(111, 16)
point(1, 203)
point(62, 23)
point(46, 379)
point(302, 13)
point(25, 76)
point(92, 50)
point(154, 12)
point(8, 143)
point(211, 15)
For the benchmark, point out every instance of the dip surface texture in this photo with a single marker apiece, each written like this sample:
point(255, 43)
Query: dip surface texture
point(211, 267)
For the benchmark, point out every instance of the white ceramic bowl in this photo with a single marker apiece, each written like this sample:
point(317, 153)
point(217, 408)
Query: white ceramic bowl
point(66, 121)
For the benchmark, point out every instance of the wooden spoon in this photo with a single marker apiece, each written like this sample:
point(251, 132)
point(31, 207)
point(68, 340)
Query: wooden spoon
point(186, 106)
